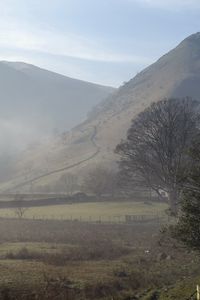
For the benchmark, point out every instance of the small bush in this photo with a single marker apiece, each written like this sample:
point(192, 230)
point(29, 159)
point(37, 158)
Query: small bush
point(84, 253)
point(23, 253)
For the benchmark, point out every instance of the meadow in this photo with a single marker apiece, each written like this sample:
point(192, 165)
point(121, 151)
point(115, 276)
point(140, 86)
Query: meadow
point(50, 259)
point(44, 256)
point(94, 211)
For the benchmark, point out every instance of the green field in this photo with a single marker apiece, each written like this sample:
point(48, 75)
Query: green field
point(104, 211)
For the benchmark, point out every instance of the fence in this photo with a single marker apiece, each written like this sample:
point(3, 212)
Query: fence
point(105, 219)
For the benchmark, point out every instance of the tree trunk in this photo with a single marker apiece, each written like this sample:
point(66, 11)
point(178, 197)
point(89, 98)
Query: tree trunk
point(173, 199)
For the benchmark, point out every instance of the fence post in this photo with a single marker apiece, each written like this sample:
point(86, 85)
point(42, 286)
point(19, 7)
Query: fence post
point(198, 292)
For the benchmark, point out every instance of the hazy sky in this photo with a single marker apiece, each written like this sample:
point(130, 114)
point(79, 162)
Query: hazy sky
point(104, 41)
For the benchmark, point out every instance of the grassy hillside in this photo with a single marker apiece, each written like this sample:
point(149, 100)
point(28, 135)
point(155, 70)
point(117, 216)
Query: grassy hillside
point(93, 141)
point(45, 100)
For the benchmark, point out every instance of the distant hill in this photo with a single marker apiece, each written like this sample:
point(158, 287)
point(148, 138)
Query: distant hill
point(175, 74)
point(35, 101)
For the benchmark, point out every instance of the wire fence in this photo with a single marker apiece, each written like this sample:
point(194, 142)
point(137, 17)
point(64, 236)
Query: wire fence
point(101, 219)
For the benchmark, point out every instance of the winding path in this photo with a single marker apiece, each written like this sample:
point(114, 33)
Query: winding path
point(92, 139)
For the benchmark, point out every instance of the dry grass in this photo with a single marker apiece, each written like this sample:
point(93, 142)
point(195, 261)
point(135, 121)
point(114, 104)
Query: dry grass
point(85, 261)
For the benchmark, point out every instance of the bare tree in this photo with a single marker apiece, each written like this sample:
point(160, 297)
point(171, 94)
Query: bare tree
point(69, 182)
point(155, 151)
point(19, 209)
point(100, 181)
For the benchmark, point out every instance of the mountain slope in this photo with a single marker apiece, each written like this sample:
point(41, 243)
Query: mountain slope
point(44, 100)
point(175, 74)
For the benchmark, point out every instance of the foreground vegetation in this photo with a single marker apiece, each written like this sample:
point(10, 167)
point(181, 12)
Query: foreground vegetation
point(77, 260)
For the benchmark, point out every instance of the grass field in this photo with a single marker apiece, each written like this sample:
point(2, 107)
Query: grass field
point(104, 211)
point(58, 260)
point(45, 255)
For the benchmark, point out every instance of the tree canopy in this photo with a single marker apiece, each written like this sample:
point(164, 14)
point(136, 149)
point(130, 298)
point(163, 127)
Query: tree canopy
point(187, 230)
point(155, 151)
point(100, 180)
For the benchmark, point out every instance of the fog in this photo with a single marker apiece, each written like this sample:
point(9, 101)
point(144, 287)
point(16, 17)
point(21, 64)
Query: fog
point(35, 103)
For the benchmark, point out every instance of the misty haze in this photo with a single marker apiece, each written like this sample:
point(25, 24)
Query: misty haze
point(99, 150)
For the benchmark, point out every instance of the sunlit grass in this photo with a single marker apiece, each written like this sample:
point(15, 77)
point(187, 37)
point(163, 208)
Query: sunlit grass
point(104, 211)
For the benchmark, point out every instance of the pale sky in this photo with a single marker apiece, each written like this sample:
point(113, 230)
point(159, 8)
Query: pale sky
point(103, 41)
